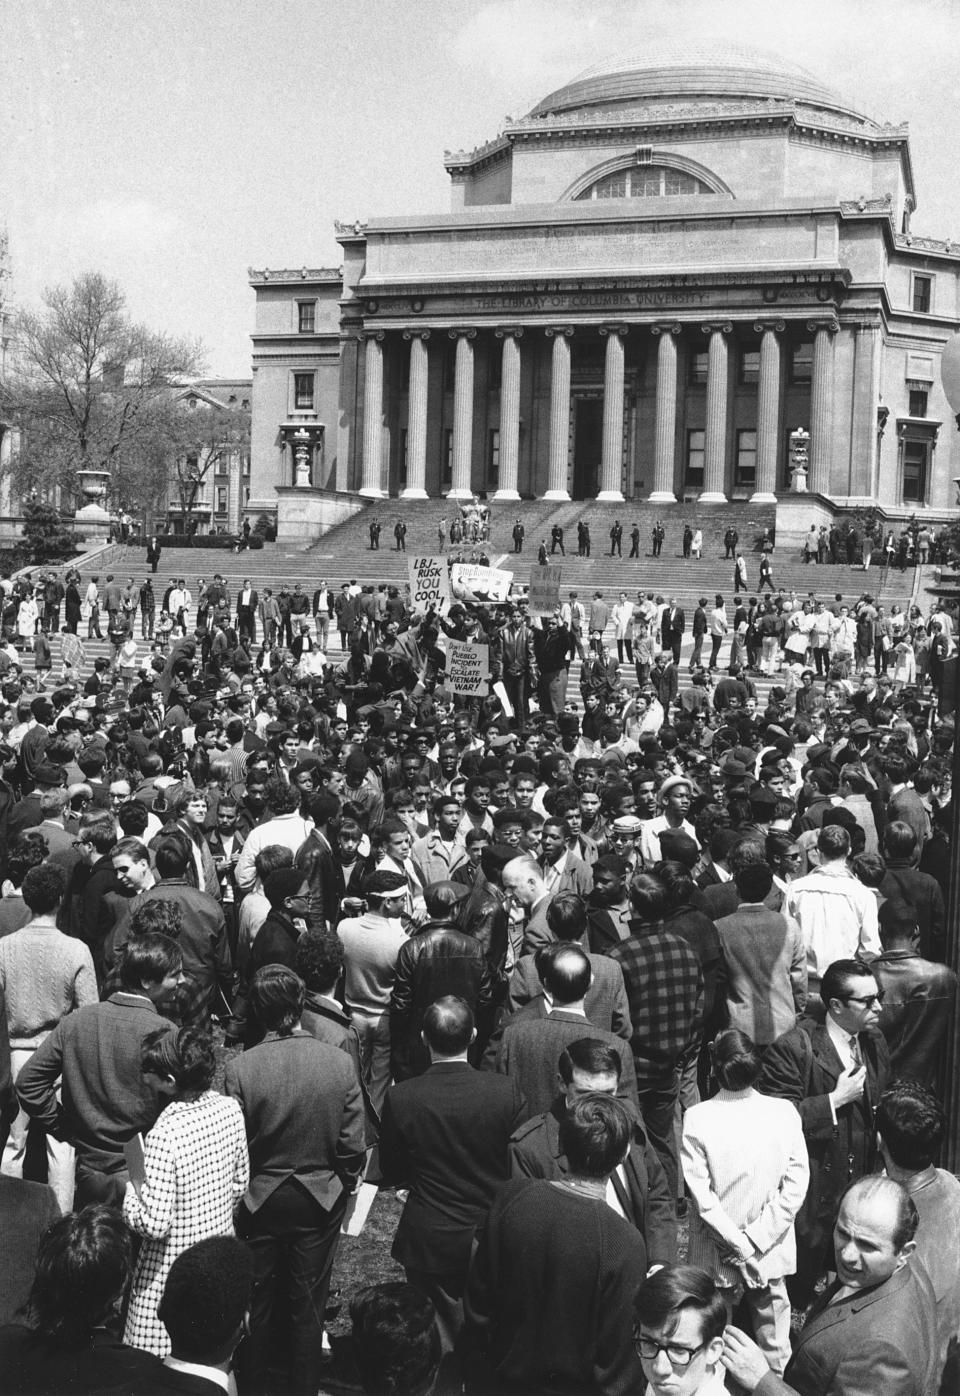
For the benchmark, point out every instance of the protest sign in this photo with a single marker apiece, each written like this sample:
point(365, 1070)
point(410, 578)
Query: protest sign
point(470, 582)
point(544, 590)
point(429, 583)
point(468, 667)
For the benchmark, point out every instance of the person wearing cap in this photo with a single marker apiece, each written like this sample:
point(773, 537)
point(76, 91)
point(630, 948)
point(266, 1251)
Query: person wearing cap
point(371, 943)
point(674, 798)
point(438, 959)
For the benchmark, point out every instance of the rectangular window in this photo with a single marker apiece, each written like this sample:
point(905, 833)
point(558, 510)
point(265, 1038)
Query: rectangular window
point(245, 463)
point(918, 402)
point(696, 445)
point(447, 479)
point(922, 293)
point(303, 391)
point(698, 367)
point(914, 472)
point(221, 499)
point(221, 466)
point(749, 366)
point(306, 317)
point(801, 362)
point(746, 466)
point(493, 457)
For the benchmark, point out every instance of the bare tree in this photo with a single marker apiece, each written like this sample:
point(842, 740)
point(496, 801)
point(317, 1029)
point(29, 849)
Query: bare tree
point(91, 390)
point(205, 434)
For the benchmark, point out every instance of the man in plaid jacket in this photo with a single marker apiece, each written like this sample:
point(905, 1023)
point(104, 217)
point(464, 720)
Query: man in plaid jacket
point(665, 992)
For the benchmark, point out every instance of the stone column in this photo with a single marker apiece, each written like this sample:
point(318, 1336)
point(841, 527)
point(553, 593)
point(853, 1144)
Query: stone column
point(234, 490)
point(715, 443)
point(509, 414)
point(372, 483)
point(559, 453)
point(665, 429)
point(460, 487)
point(415, 487)
point(611, 470)
point(768, 412)
point(821, 404)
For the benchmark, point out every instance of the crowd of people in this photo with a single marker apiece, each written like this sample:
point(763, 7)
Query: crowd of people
point(637, 999)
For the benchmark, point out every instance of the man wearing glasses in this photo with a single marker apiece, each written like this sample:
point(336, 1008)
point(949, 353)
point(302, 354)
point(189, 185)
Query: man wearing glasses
point(834, 1072)
point(678, 1333)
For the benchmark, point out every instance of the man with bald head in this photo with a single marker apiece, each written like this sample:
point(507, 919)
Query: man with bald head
point(530, 1043)
point(874, 1329)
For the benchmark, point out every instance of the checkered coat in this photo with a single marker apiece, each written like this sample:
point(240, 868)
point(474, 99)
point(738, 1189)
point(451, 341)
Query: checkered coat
point(665, 992)
point(197, 1169)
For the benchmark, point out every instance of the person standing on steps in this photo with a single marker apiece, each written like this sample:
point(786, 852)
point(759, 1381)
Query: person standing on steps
point(400, 533)
point(635, 541)
point(518, 535)
point(616, 539)
point(659, 533)
point(556, 540)
point(730, 540)
point(687, 541)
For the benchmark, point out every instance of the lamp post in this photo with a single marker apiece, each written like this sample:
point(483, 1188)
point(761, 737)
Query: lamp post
point(949, 589)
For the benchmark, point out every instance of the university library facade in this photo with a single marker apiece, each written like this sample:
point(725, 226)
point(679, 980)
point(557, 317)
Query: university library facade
point(643, 289)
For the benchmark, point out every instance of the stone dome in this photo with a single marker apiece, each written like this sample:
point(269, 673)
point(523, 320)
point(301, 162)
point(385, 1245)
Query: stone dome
point(687, 72)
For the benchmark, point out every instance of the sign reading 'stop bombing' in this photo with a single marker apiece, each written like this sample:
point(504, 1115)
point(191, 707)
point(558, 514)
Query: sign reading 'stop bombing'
point(468, 667)
point(470, 582)
point(429, 583)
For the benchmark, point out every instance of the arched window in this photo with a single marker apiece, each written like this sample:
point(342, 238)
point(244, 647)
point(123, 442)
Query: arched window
point(644, 182)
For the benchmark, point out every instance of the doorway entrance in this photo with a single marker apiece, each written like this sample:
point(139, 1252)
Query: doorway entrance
point(587, 444)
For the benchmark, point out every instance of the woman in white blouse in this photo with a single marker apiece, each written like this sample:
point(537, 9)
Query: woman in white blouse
point(746, 1169)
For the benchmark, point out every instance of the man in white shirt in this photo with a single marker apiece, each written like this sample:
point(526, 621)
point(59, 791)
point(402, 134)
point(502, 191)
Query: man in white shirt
point(836, 913)
point(675, 795)
point(287, 827)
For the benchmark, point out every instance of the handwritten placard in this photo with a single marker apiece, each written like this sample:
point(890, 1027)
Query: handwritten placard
point(470, 582)
point(544, 590)
point(429, 583)
point(468, 668)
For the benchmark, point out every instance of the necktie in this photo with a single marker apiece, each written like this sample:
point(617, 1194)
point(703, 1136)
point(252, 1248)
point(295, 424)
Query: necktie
point(855, 1052)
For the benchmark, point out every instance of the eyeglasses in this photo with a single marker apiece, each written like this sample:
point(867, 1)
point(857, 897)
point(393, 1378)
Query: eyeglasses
point(677, 1355)
point(868, 1000)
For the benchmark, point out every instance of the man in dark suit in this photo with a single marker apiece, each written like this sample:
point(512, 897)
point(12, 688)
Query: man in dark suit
point(247, 602)
point(638, 1185)
point(606, 999)
point(445, 1136)
point(875, 1328)
point(672, 625)
point(530, 1043)
point(903, 881)
point(919, 996)
point(305, 1130)
point(203, 1308)
point(834, 1072)
point(516, 663)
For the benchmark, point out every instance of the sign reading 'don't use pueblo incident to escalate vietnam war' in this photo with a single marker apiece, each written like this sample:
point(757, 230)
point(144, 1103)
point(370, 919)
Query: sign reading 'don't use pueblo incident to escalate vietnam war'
point(468, 667)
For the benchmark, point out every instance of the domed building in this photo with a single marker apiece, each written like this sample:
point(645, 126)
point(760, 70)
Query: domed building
point(683, 275)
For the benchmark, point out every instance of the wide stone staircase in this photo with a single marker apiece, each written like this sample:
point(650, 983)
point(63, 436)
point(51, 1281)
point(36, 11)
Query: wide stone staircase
point(344, 554)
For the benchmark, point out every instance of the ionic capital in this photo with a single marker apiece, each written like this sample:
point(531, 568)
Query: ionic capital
point(466, 333)
point(717, 327)
point(830, 323)
point(553, 330)
point(416, 334)
point(620, 330)
point(509, 332)
point(774, 326)
point(379, 335)
point(666, 327)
